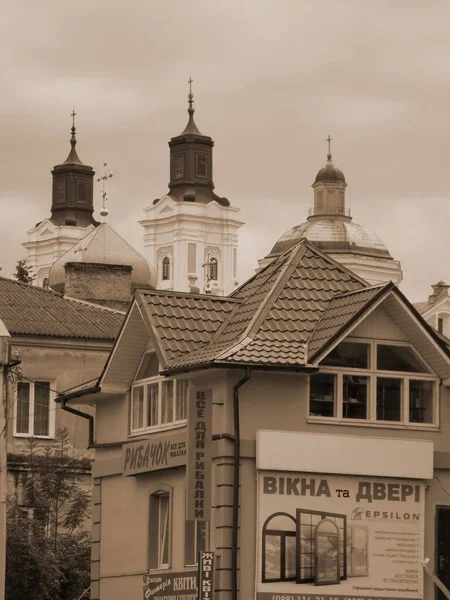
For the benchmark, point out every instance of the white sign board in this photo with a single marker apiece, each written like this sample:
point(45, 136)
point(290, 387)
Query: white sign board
point(331, 537)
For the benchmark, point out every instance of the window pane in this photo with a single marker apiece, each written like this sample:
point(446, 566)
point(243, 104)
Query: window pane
point(152, 400)
point(421, 401)
point(348, 354)
point(290, 552)
point(322, 398)
point(398, 358)
point(389, 399)
point(167, 402)
point(181, 400)
point(23, 408)
point(41, 408)
point(355, 397)
point(137, 417)
point(272, 556)
point(164, 529)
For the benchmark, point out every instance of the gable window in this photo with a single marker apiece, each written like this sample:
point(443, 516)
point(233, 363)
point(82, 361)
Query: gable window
point(166, 268)
point(157, 402)
point(374, 382)
point(34, 410)
point(159, 530)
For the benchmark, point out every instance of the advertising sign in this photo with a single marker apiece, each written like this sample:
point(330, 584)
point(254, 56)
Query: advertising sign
point(160, 452)
point(199, 467)
point(206, 576)
point(171, 586)
point(332, 537)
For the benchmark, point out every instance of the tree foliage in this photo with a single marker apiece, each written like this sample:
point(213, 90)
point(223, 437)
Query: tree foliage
point(24, 272)
point(48, 547)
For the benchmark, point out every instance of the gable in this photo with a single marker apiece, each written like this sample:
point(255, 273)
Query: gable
point(165, 210)
point(377, 325)
point(46, 231)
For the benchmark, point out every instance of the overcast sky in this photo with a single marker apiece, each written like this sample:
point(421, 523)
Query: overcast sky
point(271, 80)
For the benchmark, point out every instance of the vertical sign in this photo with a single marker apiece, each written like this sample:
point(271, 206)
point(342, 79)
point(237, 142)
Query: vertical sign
point(206, 576)
point(199, 464)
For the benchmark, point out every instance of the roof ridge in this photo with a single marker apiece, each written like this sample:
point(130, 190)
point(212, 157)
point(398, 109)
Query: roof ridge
point(93, 305)
point(364, 289)
point(261, 312)
point(31, 286)
point(175, 293)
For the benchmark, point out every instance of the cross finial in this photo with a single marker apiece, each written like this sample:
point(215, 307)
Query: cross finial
point(329, 139)
point(191, 96)
point(103, 177)
point(73, 114)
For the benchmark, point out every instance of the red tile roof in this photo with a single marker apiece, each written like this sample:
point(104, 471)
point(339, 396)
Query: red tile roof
point(31, 310)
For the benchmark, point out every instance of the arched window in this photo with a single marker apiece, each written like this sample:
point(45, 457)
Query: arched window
point(166, 268)
point(327, 542)
point(279, 548)
point(213, 269)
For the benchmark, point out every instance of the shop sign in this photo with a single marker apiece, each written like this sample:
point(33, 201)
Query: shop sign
point(332, 537)
point(171, 586)
point(199, 467)
point(162, 451)
point(206, 576)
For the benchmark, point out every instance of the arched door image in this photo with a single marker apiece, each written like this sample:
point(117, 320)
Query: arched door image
point(279, 548)
point(327, 545)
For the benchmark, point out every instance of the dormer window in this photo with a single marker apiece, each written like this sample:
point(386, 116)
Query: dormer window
point(200, 165)
point(157, 403)
point(374, 382)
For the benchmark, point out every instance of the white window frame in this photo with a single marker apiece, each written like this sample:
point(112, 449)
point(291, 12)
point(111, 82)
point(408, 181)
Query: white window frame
point(51, 410)
point(372, 373)
point(160, 381)
point(155, 550)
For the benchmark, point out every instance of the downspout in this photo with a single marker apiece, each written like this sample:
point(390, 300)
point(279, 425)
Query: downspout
point(236, 484)
point(90, 418)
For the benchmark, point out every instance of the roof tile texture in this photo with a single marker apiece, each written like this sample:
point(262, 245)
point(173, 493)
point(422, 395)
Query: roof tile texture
point(30, 310)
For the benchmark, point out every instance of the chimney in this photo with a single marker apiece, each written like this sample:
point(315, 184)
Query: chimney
point(107, 285)
point(440, 290)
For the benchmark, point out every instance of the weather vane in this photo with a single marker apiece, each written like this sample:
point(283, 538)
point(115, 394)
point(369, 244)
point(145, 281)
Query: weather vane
point(103, 177)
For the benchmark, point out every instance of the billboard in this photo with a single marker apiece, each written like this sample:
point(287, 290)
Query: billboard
point(171, 586)
point(332, 537)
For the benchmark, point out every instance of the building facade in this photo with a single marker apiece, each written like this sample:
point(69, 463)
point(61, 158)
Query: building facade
point(298, 429)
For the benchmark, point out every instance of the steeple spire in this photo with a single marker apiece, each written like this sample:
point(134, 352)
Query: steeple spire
point(191, 127)
point(73, 158)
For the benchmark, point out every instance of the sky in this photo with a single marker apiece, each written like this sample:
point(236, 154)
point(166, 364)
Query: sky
point(272, 78)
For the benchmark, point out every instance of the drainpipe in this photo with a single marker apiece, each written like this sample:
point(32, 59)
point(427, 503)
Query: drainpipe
point(236, 483)
point(90, 418)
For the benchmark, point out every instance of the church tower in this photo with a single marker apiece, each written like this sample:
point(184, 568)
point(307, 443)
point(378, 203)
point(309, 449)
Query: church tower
point(331, 228)
point(190, 233)
point(71, 213)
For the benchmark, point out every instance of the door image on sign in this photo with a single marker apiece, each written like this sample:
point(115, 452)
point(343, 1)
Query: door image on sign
point(357, 551)
point(327, 541)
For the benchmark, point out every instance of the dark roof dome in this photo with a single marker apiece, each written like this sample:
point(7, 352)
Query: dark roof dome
point(329, 173)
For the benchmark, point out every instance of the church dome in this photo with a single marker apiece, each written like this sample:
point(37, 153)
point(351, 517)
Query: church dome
point(103, 246)
point(329, 173)
point(334, 236)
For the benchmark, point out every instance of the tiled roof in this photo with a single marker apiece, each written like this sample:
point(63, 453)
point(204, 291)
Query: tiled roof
point(30, 310)
point(183, 322)
point(422, 307)
point(342, 310)
point(279, 310)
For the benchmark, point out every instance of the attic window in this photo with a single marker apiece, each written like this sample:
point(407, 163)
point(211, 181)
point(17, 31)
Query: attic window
point(364, 382)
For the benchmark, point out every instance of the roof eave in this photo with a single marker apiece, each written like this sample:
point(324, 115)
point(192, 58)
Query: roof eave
point(239, 365)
